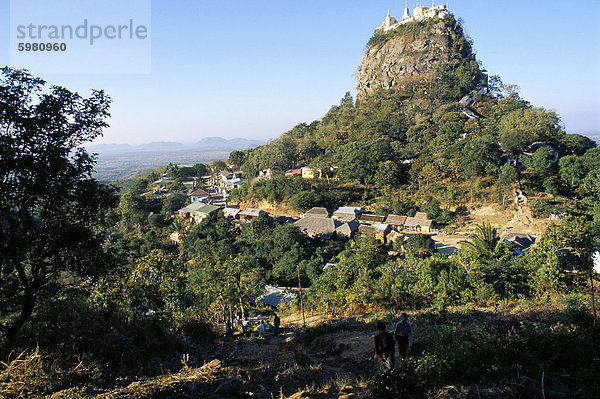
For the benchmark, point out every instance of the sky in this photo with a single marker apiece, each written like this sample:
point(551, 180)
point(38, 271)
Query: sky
point(256, 68)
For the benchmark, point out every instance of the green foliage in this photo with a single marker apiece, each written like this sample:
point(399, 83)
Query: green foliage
point(50, 205)
point(485, 243)
point(420, 243)
point(544, 264)
point(541, 160)
point(173, 202)
point(388, 175)
point(571, 170)
point(435, 213)
point(439, 280)
point(153, 287)
point(273, 190)
point(350, 283)
point(237, 159)
point(479, 352)
point(508, 175)
point(303, 201)
point(576, 144)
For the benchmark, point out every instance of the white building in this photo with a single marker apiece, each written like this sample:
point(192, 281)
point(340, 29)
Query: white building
point(419, 13)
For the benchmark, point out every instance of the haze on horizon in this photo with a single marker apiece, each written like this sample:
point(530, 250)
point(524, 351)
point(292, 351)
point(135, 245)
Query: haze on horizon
point(255, 69)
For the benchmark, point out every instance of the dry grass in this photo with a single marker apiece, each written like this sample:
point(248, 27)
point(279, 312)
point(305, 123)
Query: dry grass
point(23, 375)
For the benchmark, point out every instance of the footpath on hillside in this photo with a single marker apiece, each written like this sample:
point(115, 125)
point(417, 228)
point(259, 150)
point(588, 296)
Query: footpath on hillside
point(548, 350)
point(325, 361)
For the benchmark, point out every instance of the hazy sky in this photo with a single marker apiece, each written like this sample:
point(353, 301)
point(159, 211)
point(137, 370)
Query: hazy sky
point(254, 69)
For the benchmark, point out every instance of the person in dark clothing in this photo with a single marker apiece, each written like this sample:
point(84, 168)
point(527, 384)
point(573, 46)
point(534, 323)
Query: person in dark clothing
point(276, 322)
point(384, 346)
point(403, 334)
point(245, 327)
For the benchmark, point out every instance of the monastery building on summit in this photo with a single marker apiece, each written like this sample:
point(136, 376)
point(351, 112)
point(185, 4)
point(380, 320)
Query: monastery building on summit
point(419, 13)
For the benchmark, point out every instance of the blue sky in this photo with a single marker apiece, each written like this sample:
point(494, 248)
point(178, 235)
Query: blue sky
point(254, 69)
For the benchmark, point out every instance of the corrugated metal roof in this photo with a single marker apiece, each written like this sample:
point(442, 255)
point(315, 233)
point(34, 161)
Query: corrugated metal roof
point(317, 211)
point(230, 211)
point(347, 210)
point(251, 212)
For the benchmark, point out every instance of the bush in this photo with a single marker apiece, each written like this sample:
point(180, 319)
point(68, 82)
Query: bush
point(487, 355)
point(303, 201)
point(420, 243)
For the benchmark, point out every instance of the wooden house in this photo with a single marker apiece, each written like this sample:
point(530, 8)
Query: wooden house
point(318, 226)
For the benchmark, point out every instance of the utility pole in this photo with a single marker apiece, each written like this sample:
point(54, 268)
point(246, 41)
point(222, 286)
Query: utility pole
point(301, 304)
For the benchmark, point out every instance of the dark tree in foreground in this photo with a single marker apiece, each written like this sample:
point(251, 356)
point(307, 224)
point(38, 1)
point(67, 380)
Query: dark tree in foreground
point(49, 202)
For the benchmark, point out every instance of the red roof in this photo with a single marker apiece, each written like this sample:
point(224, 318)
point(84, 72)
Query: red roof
point(198, 192)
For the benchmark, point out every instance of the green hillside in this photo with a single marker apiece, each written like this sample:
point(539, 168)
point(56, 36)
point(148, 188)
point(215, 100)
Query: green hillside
point(418, 141)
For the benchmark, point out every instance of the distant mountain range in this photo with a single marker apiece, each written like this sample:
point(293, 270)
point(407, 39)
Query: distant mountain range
point(206, 144)
point(120, 161)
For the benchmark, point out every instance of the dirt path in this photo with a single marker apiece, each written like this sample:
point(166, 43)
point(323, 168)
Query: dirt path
point(324, 361)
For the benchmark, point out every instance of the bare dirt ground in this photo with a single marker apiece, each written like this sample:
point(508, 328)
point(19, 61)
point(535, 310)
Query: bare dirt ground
point(517, 219)
point(512, 219)
point(274, 210)
point(333, 362)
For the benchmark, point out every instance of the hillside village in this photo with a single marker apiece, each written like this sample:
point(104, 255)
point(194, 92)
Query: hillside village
point(208, 195)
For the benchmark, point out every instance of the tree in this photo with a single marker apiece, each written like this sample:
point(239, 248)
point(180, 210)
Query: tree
point(515, 142)
point(421, 243)
point(347, 100)
point(387, 176)
point(217, 166)
point(485, 243)
point(535, 124)
point(508, 175)
point(173, 202)
point(576, 144)
point(154, 285)
point(49, 203)
point(434, 212)
point(200, 169)
point(571, 171)
point(303, 201)
point(237, 159)
point(541, 160)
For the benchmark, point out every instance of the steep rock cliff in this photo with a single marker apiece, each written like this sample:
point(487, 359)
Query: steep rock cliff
point(413, 56)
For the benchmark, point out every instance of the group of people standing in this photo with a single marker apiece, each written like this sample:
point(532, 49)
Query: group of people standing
point(385, 342)
point(244, 324)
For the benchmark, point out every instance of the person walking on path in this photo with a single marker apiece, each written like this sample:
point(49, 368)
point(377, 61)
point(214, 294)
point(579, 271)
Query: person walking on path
point(384, 347)
point(276, 322)
point(403, 334)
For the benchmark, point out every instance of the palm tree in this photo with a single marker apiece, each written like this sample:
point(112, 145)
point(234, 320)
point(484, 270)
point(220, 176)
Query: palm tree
point(179, 226)
point(485, 243)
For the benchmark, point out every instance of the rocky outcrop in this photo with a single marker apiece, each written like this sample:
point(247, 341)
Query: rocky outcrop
point(411, 56)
